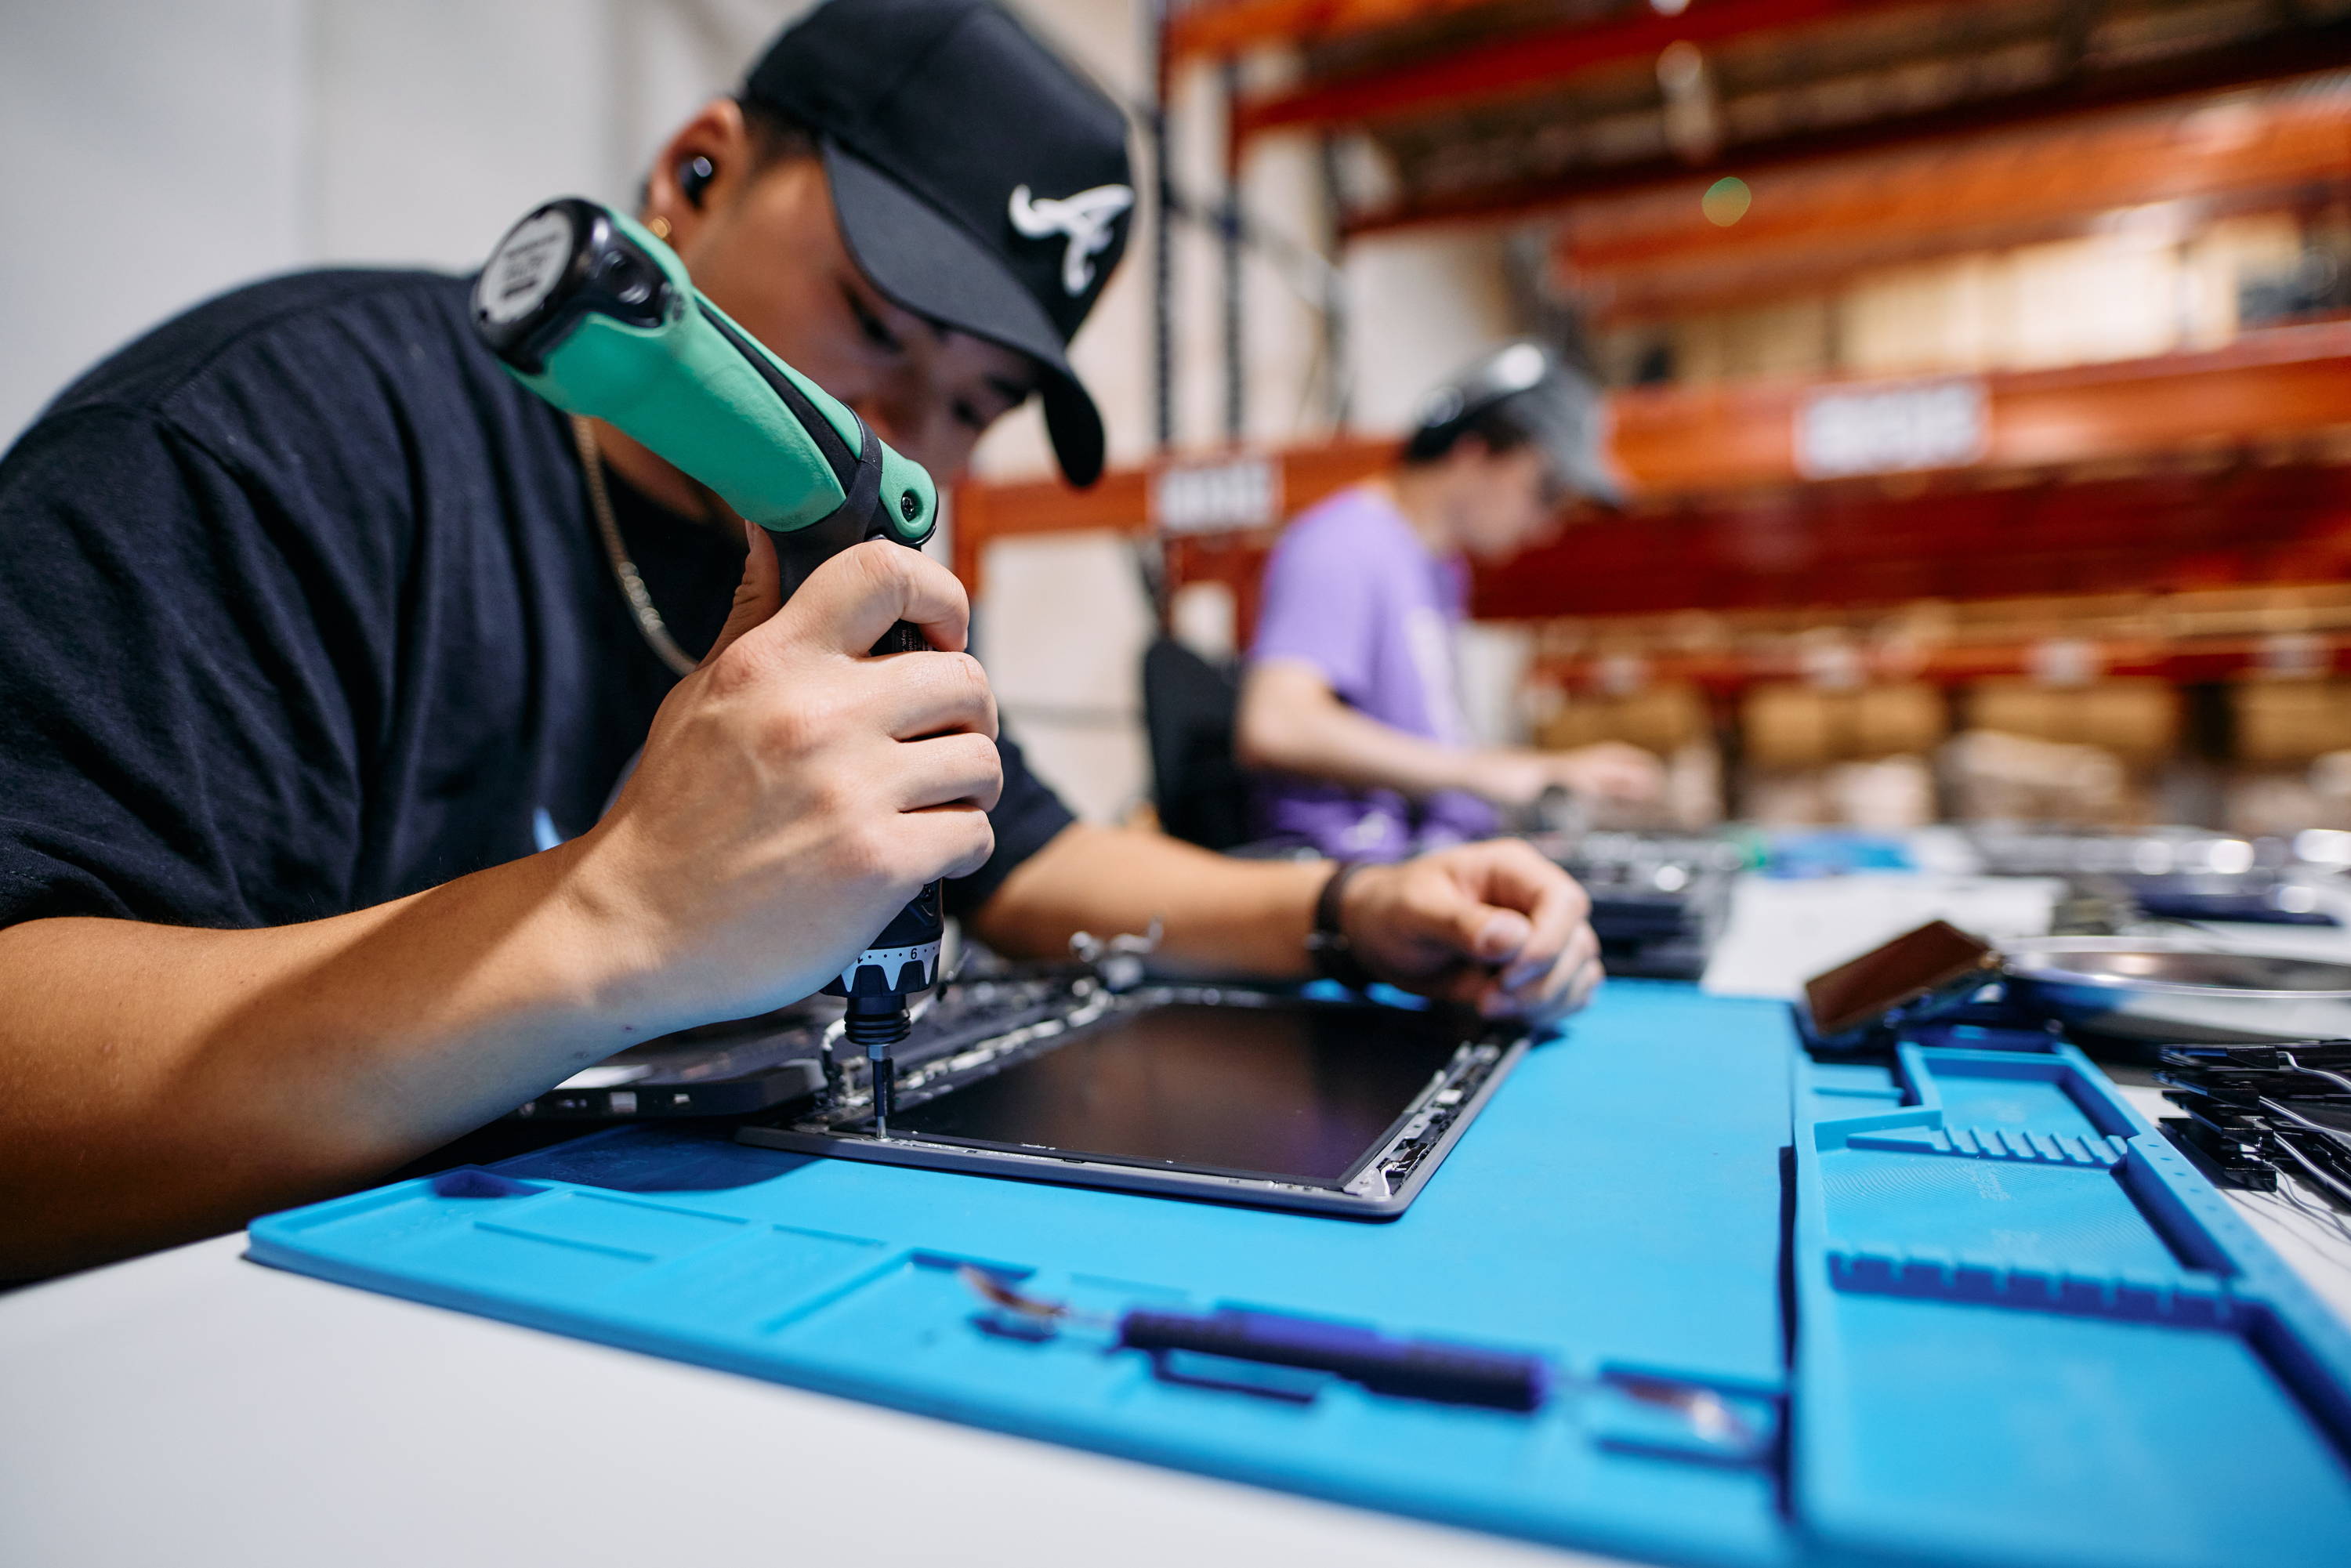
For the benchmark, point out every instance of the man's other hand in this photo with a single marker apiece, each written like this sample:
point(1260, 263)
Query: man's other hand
point(1492, 925)
point(1605, 770)
point(795, 793)
point(1610, 771)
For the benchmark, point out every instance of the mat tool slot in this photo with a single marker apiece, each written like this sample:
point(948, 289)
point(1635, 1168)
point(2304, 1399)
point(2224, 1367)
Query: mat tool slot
point(2020, 1315)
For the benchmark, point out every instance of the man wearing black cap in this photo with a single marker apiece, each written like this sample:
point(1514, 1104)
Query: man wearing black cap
point(323, 643)
point(1349, 707)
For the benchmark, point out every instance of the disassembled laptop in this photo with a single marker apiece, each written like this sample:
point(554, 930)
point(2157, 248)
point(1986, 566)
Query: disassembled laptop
point(983, 1026)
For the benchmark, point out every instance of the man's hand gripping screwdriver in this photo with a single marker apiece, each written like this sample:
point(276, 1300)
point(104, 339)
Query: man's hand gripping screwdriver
point(590, 311)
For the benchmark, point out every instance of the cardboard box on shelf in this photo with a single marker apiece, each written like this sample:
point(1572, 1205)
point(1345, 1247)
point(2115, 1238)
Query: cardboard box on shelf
point(1660, 718)
point(2282, 802)
point(1788, 724)
point(2136, 718)
point(2281, 723)
point(1992, 776)
point(1907, 720)
point(1789, 727)
point(1887, 794)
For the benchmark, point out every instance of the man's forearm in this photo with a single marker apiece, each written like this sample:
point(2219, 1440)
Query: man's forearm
point(1342, 745)
point(793, 794)
point(157, 1083)
point(1290, 722)
point(1218, 914)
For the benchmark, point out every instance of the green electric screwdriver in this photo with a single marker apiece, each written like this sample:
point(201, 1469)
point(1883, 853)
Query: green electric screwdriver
point(590, 311)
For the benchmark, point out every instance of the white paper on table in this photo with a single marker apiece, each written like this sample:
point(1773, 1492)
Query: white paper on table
point(1782, 934)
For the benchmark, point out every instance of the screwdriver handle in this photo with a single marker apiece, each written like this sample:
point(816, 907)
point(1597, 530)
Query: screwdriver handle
point(1413, 1369)
point(590, 311)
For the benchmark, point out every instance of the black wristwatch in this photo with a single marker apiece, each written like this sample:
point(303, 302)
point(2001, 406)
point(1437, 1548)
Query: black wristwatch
point(1327, 946)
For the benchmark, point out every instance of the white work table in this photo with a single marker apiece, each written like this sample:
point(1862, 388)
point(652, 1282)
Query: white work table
point(194, 1408)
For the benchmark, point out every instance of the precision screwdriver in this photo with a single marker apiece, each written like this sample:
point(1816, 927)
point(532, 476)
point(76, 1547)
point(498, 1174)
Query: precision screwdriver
point(1438, 1370)
point(590, 311)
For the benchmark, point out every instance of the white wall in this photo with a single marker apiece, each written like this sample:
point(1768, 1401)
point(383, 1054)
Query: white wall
point(1061, 627)
point(438, 123)
point(1425, 302)
point(150, 155)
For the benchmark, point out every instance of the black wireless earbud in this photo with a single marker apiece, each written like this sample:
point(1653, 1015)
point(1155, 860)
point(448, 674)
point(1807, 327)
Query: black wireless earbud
point(693, 177)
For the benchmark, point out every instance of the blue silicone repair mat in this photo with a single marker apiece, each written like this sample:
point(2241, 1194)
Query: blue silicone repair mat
point(2096, 1378)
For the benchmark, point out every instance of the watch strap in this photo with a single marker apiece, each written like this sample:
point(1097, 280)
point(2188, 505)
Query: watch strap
point(1327, 945)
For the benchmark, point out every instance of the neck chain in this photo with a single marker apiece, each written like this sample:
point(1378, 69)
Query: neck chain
point(624, 571)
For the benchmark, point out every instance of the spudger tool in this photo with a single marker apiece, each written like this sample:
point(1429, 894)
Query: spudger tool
point(1433, 1370)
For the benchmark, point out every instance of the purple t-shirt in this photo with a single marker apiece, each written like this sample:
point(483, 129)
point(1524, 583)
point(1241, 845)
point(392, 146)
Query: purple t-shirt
point(1352, 590)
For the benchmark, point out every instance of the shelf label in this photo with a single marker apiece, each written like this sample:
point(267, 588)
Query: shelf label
point(1893, 429)
point(1210, 497)
point(2066, 662)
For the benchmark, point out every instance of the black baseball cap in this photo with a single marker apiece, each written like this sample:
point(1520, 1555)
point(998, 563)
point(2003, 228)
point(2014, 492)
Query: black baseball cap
point(981, 180)
point(1527, 387)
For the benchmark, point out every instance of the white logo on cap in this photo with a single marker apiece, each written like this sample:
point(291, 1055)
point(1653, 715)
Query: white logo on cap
point(1086, 218)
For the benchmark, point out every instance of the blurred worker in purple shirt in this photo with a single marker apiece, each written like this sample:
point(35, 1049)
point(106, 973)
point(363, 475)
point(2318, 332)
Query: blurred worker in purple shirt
point(1351, 708)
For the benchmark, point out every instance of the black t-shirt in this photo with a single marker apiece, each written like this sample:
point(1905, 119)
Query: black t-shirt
point(302, 608)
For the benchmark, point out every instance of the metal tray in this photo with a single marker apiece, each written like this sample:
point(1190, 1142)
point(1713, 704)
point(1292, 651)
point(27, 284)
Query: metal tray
point(2155, 988)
